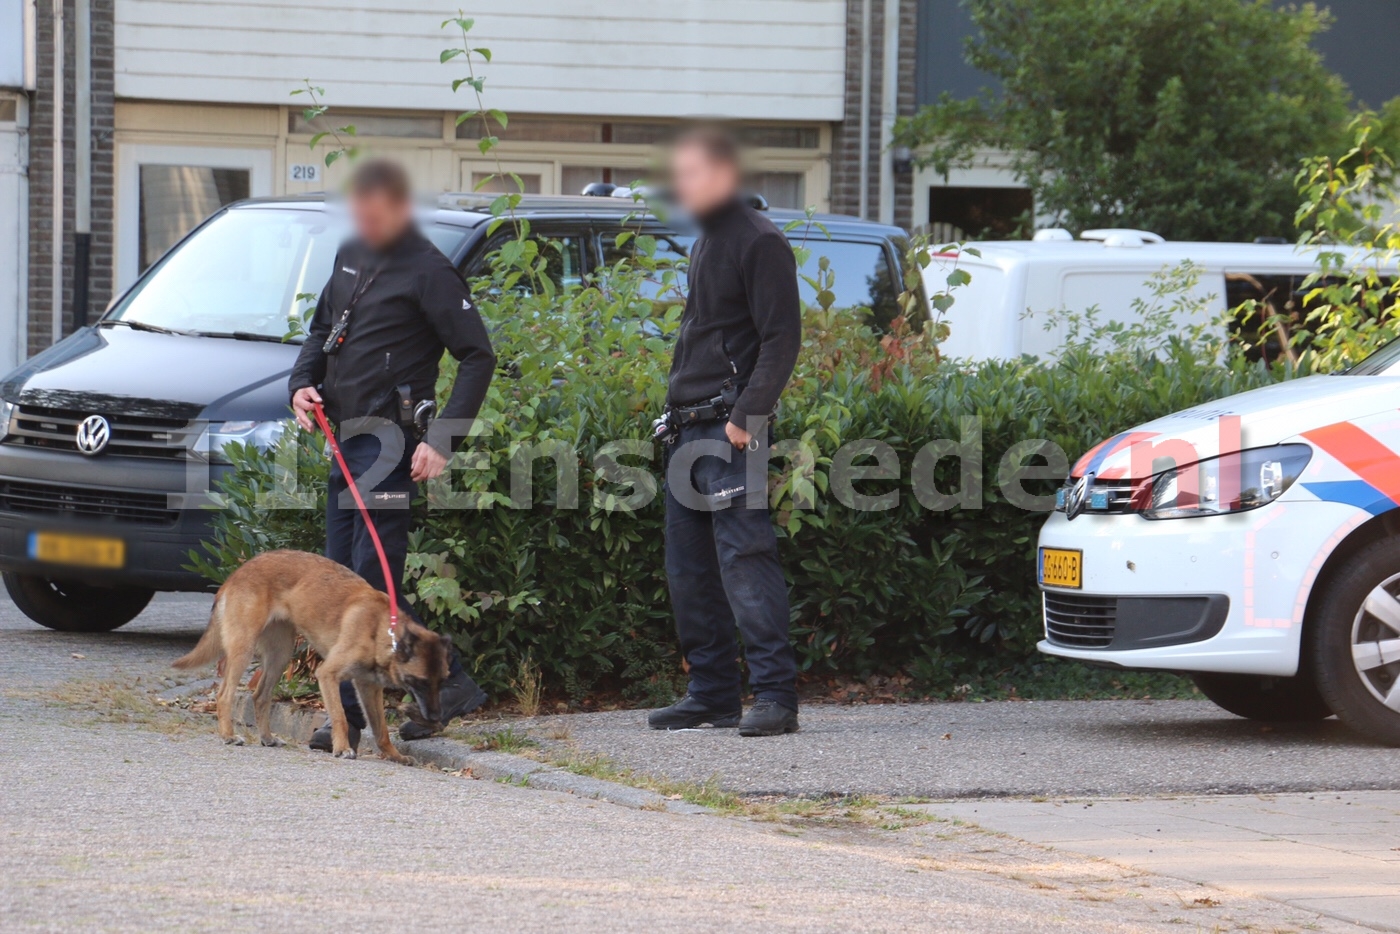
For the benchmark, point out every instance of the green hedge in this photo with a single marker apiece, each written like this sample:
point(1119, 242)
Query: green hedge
point(943, 597)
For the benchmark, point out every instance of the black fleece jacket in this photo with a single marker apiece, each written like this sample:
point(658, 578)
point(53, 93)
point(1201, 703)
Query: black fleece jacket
point(414, 305)
point(743, 317)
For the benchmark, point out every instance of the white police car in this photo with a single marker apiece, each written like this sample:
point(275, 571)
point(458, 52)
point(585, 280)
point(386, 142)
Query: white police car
point(1253, 543)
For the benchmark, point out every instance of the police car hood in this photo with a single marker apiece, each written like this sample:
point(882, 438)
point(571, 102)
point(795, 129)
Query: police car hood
point(119, 370)
point(1258, 418)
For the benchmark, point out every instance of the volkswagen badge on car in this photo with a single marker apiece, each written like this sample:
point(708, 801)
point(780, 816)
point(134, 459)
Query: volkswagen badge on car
point(93, 435)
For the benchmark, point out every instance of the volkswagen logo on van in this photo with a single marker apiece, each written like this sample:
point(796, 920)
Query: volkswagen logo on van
point(93, 435)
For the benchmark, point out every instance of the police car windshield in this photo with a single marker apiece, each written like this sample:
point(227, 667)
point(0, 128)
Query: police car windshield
point(248, 273)
point(1381, 363)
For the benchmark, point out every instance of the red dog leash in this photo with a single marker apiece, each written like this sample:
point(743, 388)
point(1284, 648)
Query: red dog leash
point(369, 525)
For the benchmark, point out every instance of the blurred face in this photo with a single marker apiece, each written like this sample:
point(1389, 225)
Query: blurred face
point(700, 182)
point(379, 218)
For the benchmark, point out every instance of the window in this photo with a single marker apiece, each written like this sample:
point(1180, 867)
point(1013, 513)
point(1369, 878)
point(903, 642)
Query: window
point(536, 129)
point(672, 252)
point(536, 178)
point(495, 184)
point(863, 275)
point(162, 192)
point(574, 177)
point(864, 278)
point(175, 198)
point(780, 189)
point(564, 262)
point(402, 126)
point(780, 137)
point(963, 213)
point(244, 270)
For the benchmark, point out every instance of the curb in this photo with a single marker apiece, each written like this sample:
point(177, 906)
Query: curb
point(297, 724)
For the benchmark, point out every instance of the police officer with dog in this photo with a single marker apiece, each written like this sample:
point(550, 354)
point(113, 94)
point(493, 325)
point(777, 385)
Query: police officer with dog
point(394, 303)
point(738, 344)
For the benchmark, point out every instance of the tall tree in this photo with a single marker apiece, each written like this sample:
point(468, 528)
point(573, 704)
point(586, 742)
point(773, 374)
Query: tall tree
point(1186, 117)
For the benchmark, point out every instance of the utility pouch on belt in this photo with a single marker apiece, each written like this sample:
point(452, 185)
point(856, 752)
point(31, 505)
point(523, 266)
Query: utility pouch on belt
point(404, 408)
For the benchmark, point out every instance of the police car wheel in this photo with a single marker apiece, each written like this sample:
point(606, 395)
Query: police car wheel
point(70, 606)
point(1355, 640)
point(1275, 700)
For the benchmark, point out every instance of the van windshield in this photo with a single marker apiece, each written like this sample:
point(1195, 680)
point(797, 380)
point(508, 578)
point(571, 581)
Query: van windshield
point(246, 273)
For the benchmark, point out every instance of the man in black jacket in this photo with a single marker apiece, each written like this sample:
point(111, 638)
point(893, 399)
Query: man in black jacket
point(738, 343)
point(393, 304)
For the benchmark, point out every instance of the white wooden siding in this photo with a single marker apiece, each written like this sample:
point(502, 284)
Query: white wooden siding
point(742, 59)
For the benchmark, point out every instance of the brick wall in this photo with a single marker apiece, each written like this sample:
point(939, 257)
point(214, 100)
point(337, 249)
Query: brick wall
point(845, 144)
point(41, 173)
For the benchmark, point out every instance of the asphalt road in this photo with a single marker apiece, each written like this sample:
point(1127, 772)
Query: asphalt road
point(118, 817)
point(1028, 748)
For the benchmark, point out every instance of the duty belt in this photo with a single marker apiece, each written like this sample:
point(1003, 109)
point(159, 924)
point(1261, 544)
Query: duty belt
point(713, 410)
point(675, 417)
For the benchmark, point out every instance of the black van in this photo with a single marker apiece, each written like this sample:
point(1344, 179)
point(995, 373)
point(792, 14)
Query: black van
point(111, 439)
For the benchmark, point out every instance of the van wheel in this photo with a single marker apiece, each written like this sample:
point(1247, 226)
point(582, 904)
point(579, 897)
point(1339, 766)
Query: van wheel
point(1258, 697)
point(70, 606)
point(1356, 643)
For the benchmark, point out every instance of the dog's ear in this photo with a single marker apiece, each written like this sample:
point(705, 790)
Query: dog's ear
point(407, 640)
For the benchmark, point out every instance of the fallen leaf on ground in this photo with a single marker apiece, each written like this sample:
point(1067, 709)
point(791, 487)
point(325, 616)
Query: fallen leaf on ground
point(76, 655)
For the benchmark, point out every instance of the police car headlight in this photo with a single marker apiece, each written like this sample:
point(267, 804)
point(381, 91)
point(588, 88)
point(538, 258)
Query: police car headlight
point(261, 435)
point(1230, 483)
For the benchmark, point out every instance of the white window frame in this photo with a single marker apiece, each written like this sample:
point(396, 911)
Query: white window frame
point(131, 156)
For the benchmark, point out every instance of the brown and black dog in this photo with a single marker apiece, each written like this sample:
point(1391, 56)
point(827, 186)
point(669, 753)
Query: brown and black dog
point(262, 607)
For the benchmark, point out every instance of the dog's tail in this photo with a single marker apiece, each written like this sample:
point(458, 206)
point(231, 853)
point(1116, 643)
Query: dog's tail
point(211, 645)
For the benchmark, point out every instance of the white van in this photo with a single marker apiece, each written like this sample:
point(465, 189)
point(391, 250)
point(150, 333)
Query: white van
point(1017, 284)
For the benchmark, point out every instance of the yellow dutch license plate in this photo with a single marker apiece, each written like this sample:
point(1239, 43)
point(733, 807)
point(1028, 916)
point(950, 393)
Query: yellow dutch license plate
point(87, 551)
point(1062, 567)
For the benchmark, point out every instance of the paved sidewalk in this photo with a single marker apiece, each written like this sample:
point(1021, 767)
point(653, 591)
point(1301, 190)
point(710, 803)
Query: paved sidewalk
point(996, 749)
point(120, 817)
point(1338, 854)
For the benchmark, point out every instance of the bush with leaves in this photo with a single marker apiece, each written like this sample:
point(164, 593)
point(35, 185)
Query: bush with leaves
point(576, 584)
point(1349, 211)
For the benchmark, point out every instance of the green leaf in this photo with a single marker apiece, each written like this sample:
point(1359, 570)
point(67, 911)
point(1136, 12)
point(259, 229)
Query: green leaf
point(484, 53)
point(500, 117)
point(464, 116)
point(331, 156)
point(486, 144)
point(317, 138)
point(449, 54)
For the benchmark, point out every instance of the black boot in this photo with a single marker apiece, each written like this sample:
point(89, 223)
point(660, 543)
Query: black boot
point(460, 695)
point(689, 712)
point(767, 717)
point(321, 739)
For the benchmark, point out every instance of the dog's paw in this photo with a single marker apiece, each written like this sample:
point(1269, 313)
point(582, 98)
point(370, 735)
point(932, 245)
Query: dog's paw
point(345, 754)
point(272, 741)
point(234, 741)
point(400, 758)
